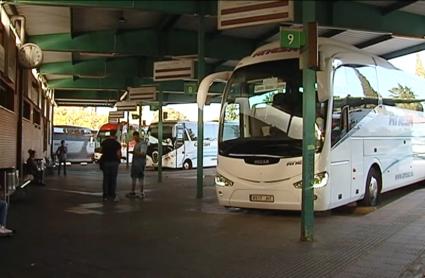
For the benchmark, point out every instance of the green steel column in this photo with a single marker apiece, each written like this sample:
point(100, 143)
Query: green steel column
point(201, 73)
point(160, 137)
point(127, 139)
point(309, 115)
point(140, 118)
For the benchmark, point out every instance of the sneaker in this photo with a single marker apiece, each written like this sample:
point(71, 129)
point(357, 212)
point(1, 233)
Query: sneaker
point(142, 195)
point(5, 232)
point(131, 195)
point(116, 199)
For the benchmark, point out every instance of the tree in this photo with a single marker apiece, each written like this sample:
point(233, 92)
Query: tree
point(232, 112)
point(172, 115)
point(405, 93)
point(79, 116)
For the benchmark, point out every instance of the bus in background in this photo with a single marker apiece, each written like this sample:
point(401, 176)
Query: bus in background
point(179, 144)
point(78, 140)
point(369, 129)
point(123, 133)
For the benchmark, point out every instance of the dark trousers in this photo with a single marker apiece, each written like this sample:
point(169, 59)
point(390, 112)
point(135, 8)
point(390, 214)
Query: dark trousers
point(64, 167)
point(3, 213)
point(110, 172)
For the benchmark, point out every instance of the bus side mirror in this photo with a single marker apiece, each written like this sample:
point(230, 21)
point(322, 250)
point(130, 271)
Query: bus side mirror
point(296, 128)
point(206, 84)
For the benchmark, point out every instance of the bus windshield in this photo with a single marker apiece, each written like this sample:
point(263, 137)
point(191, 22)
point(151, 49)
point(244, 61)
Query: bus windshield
point(167, 130)
point(262, 111)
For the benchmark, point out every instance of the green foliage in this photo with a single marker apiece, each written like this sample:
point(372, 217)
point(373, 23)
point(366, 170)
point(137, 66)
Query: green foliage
point(172, 115)
point(78, 116)
point(405, 93)
point(232, 112)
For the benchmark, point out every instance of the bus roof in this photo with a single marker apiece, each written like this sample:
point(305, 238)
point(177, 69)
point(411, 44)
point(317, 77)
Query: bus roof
point(328, 47)
point(109, 126)
point(71, 126)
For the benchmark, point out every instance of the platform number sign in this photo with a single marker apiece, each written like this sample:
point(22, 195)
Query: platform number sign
point(190, 88)
point(290, 38)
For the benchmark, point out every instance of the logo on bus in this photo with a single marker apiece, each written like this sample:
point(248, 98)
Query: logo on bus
point(261, 161)
point(273, 50)
point(293, 163)
point(400, 121)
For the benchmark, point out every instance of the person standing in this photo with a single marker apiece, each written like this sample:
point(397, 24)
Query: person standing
point(3, 215)
point(109, 162)
point(138, 166)
point(61, 155)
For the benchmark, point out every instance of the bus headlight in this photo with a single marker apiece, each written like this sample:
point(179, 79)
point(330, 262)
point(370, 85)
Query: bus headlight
point(222, 181)
point(319, 180)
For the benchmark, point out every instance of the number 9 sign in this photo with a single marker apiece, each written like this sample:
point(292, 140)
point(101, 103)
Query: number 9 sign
point(290, 38)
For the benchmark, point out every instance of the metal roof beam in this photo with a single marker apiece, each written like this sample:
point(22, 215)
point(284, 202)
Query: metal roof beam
point(87, 95)
point(145, 42)
point(168, 22)
point(396, 6)
point(345, 14)
point(374, 41)
point(106, 84)
point(96, 68)
point(85, 104)
point(113, 67)
point(170, 6)
point(405, 51)
point(331, 33)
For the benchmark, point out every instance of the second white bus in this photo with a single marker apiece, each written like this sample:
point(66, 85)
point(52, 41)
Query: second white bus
point(180, 144)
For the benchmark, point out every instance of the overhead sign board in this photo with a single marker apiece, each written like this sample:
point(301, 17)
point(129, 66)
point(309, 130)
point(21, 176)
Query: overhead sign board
point(233, 14)
point(173, 70)
point(126, 106)
point(190, 88)
point(292, 38)
point(116, 114)
point(145, 93)
point(113, 120)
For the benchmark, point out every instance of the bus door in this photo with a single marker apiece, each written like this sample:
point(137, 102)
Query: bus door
point(340, 173)
point(179, 145)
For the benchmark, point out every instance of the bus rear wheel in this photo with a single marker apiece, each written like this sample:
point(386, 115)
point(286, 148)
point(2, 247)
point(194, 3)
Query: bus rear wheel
point(187, 164)
point(373, 186)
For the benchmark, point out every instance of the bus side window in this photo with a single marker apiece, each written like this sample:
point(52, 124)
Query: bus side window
point(354, 96)
point(344, 123)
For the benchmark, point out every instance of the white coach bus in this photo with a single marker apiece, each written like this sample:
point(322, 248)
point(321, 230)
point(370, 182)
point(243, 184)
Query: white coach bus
point(180, 144)
point(78, 140)
point(370, 129)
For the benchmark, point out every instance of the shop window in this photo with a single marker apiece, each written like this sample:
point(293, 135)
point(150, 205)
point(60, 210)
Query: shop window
point(27, 110)
point(7, 97)
point(36, 117)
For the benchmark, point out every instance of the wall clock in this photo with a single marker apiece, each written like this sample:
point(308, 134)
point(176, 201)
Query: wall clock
point(30, 55)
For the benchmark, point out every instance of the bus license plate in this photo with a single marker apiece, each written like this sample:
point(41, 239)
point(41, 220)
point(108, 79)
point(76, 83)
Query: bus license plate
point(261, 198)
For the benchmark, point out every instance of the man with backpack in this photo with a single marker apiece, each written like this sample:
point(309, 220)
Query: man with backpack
point(61, 155)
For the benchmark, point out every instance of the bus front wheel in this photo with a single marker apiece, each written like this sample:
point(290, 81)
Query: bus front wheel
point(187, 164)
point(373, 185)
